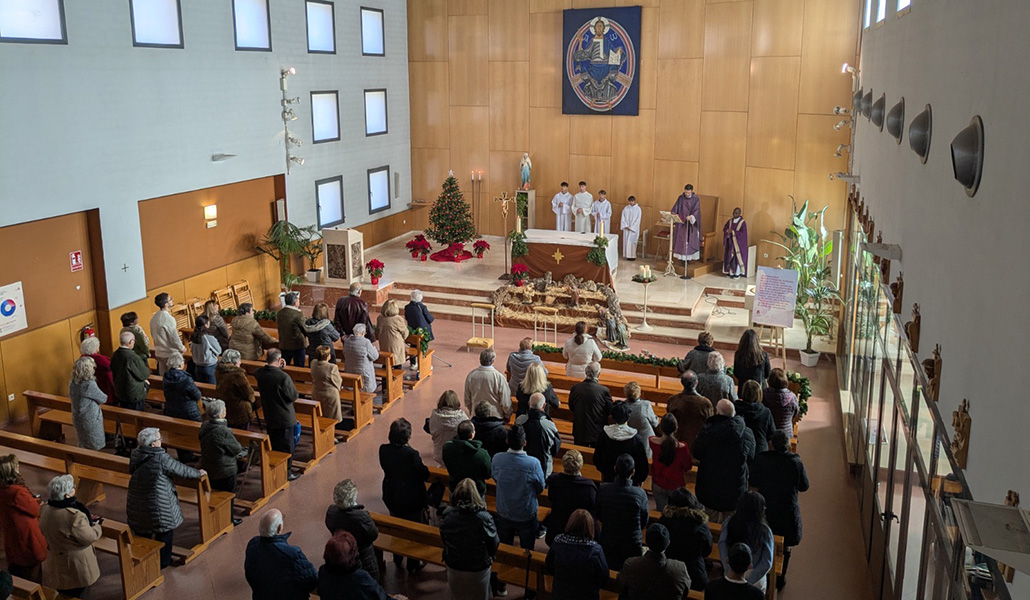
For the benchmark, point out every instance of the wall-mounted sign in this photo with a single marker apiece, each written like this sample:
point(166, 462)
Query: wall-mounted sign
point(75, 258)
point(12, 309)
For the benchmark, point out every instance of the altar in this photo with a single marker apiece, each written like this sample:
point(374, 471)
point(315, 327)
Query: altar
point(565, 253)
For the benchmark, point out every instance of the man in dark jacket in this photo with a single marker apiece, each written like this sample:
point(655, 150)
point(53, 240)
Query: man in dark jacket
point(274, 569)
point(464, 457)
point(567, 492)
point(779, 475)
point(219, 450)
point(490, 429)
point(724, 447)
point(622, 512)
point(130, 373)
point(417, 315)
point(690, 409)
point(292, 339)
point(152, 505)
point(616, 440)
point(277, 396)
point(347, 515)
point(689, 534)
point(590, 403)
point(733, 586)
point(542, 439)
point(351, 310)
point(654, 576)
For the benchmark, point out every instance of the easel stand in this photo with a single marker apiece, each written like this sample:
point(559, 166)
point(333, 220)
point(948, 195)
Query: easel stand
point(776, 340)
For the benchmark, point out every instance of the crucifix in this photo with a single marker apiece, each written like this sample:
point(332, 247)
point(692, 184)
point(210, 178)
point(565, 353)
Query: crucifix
point(504, 200)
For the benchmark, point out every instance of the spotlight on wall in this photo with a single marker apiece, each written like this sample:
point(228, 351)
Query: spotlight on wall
point(844, 177)
point(840, 110)
point(842, 123)
point(283, 74)
point(967, 155)
point(896, 120)
point(842, 148)
point(289, 115)
point(211, 216)
point(919, 133)
point(292, 141)
point(867, 103)
point(293, 100)
point(296, 160)
point(846, 68)
point(877, 112)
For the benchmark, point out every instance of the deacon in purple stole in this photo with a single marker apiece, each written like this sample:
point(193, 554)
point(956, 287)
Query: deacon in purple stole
point(734, 242)
point(686, 236)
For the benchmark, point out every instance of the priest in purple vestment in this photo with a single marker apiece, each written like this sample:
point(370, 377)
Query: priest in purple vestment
point(686, 236)
point(734, 243)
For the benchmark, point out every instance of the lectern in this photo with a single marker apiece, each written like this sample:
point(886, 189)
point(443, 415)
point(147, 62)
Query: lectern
point(344, 255)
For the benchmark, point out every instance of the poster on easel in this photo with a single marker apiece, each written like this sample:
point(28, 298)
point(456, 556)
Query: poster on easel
point(12, 309)
point(776, 293)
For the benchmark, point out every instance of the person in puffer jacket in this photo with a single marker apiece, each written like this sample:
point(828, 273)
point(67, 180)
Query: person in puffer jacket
point(320, 332)
point(616, 440)
point(152, 505)
point(469, 543)
point(691, 539)
point(345, 514)
point(181, 393)
point(519, 362)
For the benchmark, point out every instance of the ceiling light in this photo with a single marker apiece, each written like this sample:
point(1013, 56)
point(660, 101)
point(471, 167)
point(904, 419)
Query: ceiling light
point(289, 115)
point(896, 120)
point(919, 133)
point(967, 155)
point(297, 160)
point(292, 141)
point(841, 148)
point(840, 110)
point(842, 123)
point(846, 68)
point(291, 100)
point(876, 113)
point(289, 71)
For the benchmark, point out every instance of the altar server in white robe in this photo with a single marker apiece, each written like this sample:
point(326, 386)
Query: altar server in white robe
point(602, 213)
point(561, 204)
point(581, 205)
point(630, 227)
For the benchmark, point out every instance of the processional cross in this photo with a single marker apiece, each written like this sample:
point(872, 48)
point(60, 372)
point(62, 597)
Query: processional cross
point(504, 199)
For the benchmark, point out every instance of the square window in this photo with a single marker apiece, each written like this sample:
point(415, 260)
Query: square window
point(251, 25)
point(903, 4)
point(881, 11)
point(329, 201)
point(156, 23)
point(372, 39)
point(378, 189)
point(321, 27)
point(33, 21)
point(375, 112)
point(325, 117)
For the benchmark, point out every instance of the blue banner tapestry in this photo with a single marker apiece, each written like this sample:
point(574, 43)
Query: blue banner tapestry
point(601, 61)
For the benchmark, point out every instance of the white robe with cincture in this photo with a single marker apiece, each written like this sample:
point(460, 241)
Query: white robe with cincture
point(602, 212)
point(581, 204)
point(561, 205)
point(630, 227)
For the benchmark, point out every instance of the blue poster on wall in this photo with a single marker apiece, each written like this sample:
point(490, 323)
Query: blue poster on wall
point(601, 61)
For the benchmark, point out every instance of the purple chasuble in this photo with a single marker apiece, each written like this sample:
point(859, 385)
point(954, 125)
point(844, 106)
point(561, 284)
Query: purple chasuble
point(686, 237)
point(734, 243)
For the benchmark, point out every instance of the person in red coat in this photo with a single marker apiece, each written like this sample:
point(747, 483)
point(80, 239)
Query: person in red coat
point(24, 544)
point(105, 377)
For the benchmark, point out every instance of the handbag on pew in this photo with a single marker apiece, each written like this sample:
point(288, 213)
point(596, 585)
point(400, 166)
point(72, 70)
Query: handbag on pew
point(123, 446)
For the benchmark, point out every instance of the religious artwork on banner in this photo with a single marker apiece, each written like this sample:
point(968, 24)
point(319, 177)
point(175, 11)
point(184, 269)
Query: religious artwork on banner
point(601, 61)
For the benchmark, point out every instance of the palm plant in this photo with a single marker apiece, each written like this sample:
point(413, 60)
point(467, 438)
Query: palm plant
point(284, 241)
point(807, 251)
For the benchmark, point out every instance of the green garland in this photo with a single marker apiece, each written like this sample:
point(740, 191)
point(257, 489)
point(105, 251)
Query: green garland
point(423, 347)
point(518, 244)
point(637, 359)
point(597, 254)
point(260, 315)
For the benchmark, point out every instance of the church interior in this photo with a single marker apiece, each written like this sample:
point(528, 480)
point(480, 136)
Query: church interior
point(818, 172)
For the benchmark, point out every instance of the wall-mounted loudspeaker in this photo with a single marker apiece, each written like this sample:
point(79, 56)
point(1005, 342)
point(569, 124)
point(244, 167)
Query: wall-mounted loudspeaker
point(967, 155)
point(867, 103)
point(877, 112)
point(919, 134)
point(896, 120)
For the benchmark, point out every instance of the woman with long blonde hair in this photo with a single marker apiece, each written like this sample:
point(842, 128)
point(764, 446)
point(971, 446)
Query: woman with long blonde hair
point(535, 382)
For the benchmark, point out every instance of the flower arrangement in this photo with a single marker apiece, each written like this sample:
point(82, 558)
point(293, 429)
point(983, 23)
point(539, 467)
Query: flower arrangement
point(518, 244)
point(419, 246)
point(375, 270)
point(519, 273)
point(597, 254)
point(480, 248)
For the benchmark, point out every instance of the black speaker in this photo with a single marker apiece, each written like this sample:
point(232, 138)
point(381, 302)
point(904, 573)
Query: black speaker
point(919, 132)
point(876, 114)
point(967, 155)
point(896, 120)
point(867, 103)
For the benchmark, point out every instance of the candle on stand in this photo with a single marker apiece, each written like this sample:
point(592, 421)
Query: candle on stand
point(601, 224)
point(518, 224)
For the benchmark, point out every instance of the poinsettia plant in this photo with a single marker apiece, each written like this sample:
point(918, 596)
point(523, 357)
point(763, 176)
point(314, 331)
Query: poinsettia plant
point(375, 267)
point(419, 245)
point(519, 273)
point(480, 247)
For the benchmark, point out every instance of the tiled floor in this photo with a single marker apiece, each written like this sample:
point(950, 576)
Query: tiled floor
point(829, 563)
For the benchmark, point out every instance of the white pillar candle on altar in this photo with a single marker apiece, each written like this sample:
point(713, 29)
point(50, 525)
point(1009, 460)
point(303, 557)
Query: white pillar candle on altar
point(601, 223)
point(518, 224)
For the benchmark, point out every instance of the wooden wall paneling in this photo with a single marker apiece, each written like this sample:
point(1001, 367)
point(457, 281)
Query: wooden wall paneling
point(96, 257)
point(830, 37)
point(549, 144)
point(772, 112)
point(429, 168)
point(681, 32)
point(595, 170)
point(111, 323)
point(470, 139)
point(468, 52)
point(645, 3)
point(767, 208)
point(669, 178)
point(723, 147)
point(549, 6)
point(509, 106)
point(430, 104)
point(75, 324)
point(505, 177)
point(817, 142)
point(467, 7)
point(29, 364)
point(727, 56)
point(3, 389)
point(777, 27)
point(263, 274)
point(591, 3)
point(201, 286)
point(591, 134)
point(648, 78)
point(509, 30)
point(633, 157)
point(678, 117)
point(545, 52)
point(427, 30)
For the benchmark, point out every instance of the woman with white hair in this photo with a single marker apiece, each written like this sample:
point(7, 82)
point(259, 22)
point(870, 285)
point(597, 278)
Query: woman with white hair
point(86, 400)
point(234, 388)
point(346, 514)
point(417, 315)
point(70, 531)
point(716, 384)
point(105, 376)
point(358, 354)
point(219, 451)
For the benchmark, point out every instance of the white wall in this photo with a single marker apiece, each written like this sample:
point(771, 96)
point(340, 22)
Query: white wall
point(962, 257)
point(99, 123)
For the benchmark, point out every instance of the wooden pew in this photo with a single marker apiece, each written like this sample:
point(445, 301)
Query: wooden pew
point(176, 433)
point(138, 557)
point(30, 590)
point(423, 362)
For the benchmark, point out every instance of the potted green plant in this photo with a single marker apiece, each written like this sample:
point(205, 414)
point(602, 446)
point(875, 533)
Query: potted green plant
point(312, 251)
point(283, 242)
point(808, 250)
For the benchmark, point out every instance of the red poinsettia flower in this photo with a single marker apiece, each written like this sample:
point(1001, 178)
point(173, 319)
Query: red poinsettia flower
point(375, 267)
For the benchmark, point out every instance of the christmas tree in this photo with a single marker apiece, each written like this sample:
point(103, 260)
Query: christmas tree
point(450, 219)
